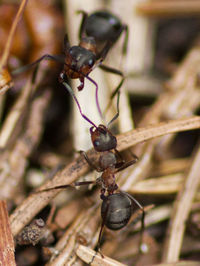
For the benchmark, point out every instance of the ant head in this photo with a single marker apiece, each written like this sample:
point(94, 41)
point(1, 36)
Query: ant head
point(80, 61)
point(102, 139)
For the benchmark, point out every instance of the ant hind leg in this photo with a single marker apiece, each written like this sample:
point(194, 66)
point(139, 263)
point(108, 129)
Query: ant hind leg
point(83, 21)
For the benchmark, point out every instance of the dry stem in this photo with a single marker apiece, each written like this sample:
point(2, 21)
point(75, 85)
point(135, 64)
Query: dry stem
point(181, 211)
point(169, 8)
point(88, 255)
point(35, 202)
point(6, 52)
point(7, 248)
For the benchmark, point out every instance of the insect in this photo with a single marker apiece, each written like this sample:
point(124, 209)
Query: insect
point(98, 33)
point(117, 206)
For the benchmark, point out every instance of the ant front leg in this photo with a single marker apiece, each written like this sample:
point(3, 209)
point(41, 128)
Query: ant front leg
point(56, 58)
point(91, 164)
point(126, 164)
point(75, 184)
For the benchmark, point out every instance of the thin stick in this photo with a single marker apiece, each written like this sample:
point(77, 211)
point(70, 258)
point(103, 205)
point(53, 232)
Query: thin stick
point(6, 52)
point(169, 8)
point(88, 255)
point(140, 135)
point(35, 202)
point(181, 211)
point(7, 248)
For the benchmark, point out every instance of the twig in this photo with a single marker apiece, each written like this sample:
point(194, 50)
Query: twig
point(6, 52)
point(35, 202)
point(169, 8)
point(160, 185)
point(7, 248)
point(15, 114)
point(151, 132)
point(89, 256)
point(14, 166)
point(180, 263)
point(181, 211)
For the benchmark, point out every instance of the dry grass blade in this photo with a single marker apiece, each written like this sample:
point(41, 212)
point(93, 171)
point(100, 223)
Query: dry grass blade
point(160, 185)
point(7, 248)
point(14, 162)
point(156, 215)
point(6, 52)
point(180, 263)
point(181, 211)
point(91, 257)
point(15, 115)
point(35, 202)
point(131, 138)
point(173, 166)
point(169, 8)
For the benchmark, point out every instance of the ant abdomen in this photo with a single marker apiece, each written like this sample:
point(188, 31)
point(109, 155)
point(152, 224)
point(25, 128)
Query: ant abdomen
point(116, 211)
point(108, 25)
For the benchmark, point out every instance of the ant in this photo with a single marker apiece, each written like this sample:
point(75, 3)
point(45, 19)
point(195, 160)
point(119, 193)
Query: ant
point(98, 33)
point(117, 206)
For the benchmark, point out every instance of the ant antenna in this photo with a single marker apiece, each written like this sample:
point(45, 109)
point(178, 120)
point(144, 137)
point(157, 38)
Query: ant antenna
point(76, 100)
point(96, 94)
point(117, 114)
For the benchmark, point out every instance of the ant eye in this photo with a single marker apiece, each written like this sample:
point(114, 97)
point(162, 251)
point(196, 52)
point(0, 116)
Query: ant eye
point(91, 62)
point(96, 143)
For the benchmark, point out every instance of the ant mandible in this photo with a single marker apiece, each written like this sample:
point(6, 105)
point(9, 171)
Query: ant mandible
point(98, 33)
point(117, 206)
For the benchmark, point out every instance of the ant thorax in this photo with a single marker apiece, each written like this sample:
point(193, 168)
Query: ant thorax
point(107, 159)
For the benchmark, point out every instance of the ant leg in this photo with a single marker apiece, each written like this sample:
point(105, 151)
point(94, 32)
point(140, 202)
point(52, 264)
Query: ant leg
point(127, 164)
point(117, 89)
point(117, 114)
point(44, 57)
point(97, 98)
point(142, 218)
point(124, 51)
point(102, 196)
point(99, 239)
point(98, 169)
point(125, 43)
point(117, 72)
point(82, 26)
point(66, 43)
point(76, 100)
point(120, 159)
point(75, 184)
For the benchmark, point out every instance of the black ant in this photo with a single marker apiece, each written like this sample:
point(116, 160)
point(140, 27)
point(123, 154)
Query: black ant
point(98, 33)
point(117, 206)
